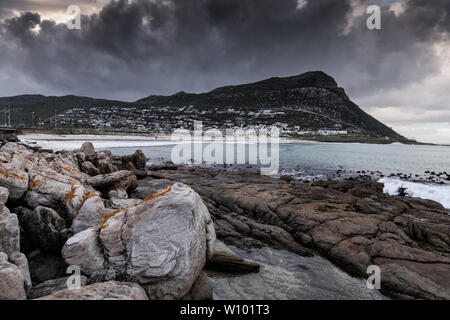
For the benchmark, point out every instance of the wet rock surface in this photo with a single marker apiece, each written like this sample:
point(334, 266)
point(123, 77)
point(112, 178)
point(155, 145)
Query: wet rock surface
point(288, 276)
point(353, 224)
point(111, 290)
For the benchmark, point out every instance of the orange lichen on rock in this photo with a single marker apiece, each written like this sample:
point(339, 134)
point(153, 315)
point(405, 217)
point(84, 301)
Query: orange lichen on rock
point(71, 170)
point(72, 193)
point(37, 183)
point(151, 197)
point(7, 174)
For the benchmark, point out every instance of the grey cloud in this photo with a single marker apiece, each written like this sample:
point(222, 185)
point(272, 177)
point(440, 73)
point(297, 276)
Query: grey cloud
point(132, 49)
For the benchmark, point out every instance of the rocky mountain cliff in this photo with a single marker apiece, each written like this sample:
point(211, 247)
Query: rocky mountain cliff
point(308, 102)
point(311, 101)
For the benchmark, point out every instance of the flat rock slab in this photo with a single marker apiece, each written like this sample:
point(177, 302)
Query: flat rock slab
point(353, 224)
point(229, 262)
point(288, 276)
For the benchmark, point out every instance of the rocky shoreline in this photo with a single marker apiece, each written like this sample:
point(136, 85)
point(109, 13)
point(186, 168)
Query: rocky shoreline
point(70, 211)
point(139, 232)
point(351, 223)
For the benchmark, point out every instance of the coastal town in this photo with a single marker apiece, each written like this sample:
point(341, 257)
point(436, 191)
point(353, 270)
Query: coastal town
point(152, 119)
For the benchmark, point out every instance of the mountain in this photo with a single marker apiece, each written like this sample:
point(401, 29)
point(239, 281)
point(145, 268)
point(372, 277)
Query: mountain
point(23, 106)
point(310, 101)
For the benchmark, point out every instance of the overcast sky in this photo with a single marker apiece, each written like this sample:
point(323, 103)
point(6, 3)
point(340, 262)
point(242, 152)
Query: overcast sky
point(130, 49)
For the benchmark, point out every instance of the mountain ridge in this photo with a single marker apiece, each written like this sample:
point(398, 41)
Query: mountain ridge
point(310, 101)
point(247, 95)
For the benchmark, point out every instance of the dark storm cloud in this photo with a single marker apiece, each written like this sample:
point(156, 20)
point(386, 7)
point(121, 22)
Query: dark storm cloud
point(131, 49)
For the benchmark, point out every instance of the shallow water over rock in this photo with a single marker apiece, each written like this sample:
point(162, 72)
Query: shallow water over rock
point(287, 276)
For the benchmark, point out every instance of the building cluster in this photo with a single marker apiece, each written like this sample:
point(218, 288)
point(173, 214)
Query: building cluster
point(149, 119)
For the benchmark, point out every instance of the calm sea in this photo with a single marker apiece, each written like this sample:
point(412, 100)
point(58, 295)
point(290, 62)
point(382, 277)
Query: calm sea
point(396, 165)
point(418, 169)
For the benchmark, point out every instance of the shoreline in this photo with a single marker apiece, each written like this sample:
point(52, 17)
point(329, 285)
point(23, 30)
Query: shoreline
point(164, 135)
point(167, 138)
point(352, 224)
point(431, 187)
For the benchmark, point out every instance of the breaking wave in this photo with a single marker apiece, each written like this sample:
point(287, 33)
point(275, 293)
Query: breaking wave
point(437, 193)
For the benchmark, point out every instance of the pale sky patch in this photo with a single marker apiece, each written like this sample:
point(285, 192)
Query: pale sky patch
point(301, 4)
point(412, 110)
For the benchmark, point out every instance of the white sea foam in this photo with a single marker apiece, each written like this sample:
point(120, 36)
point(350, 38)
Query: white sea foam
point(437, 193)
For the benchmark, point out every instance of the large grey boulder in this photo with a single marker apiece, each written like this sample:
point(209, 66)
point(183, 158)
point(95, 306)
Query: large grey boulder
point(104, 161)
point(111, 290)
point(34, 199)
point(11, 280)
point(73, 201)
point(4, 211)
point(84, 250)
point(4, 194)
point(68, 168)
point(106, 166)
point(119, 194)
point(119, 180)
point(161, 243)
point(87, 148)
point(137, 159)
point(10, 246)
point(122, 203)
point(91, 213)
point(15, 179)
point(89, 168)
point(9, 234)
point(12, 147)
point(49, 186)
point(149, 186)
point(20, 260)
